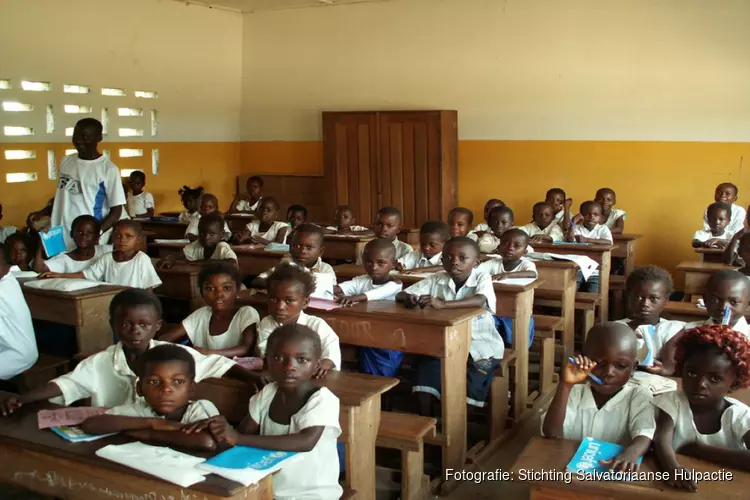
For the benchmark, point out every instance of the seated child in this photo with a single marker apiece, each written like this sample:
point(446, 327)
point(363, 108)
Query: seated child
point(296, 215)
point(484, 227)
point(501, 219)
point(266, 229)
point(613, 218)
point(647, 291)
point(388, 225)
point(208, 246)
point(126, 265)
point(107, 377)
point(344, 218)
point(732, 255)
point(726, 192)
point(307, 248)
point(209, 205)
point(18, 351)
point(222, 326)
point(5, 231)
point(140, 202)
point(589, 231)
point(19, 250)
point(289, 290)
point(716, 236)
point(428, 259)
point(701, 420)
point(291, 414)
point(461, 285)
point(460, 220)
point(741, 252)
point(85, 233)
point(379, 258)
point(248, 203)
point(191, 200)
point(615, 411)
point(560, 206)
point(166, 383)
point(542, 229)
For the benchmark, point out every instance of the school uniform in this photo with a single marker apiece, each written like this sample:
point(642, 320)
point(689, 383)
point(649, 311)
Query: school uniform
point(195, 251)
point(614, 214)
point(315, 474)
point(372, 360)
point(703, 235)
point(735, 422)
point(86, 187)
point(245, 205)
point(325, 278)
point(108, 380)
point(329, 341)
point(736, 222)
point(559, 216)
point(628, 414)
point(486, 348)
point(137, 272)
point(62, 263)
point(402, 249)
point(599, 232)
point(482, 226)
point(6, 231)
point(659, 334)
point(416, 260)
point(197, 326)
point(195, 411)
point(186, 216)
point(270, 233)
point(18, 351)
point(193, 223)
point(553, 231)
point(138, 204)
point(741, 325)
point(488, 242)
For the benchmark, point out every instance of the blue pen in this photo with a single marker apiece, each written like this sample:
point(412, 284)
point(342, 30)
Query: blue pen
point(591, 375)
point(727, 315)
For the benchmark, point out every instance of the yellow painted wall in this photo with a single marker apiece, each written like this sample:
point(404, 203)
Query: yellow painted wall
point(279, 157)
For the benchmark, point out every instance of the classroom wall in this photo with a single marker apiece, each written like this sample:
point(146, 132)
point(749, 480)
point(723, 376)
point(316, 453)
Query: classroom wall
point(649, 98)
point(189, 55)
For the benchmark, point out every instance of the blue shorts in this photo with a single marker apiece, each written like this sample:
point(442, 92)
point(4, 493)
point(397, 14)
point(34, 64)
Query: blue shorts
point(505, 327)
point(382, 362)
point(478, 378)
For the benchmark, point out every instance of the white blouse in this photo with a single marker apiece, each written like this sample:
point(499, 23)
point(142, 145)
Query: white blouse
point(198, 323)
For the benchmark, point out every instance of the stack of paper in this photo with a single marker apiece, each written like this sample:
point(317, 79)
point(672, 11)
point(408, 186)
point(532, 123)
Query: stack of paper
point(164, 463)
point(655, 383)
point(247, 465)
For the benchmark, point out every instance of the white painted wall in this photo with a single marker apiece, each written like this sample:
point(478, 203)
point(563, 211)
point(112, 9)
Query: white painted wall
point(190, 55)
point(515, 69)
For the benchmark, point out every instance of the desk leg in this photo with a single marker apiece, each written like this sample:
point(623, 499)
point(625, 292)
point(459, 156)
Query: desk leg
point(524, 307)
point(630, 259)
point(604, 269)
point(95, 334)
point(453, 398)
point(360, 452)
point(568, 309)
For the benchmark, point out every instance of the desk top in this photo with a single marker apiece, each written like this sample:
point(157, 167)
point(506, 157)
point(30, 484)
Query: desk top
point(626, 237)
point(180, 268)
point(554, 454)
point(22, 430)
point(162, 222)
point(710, 251)
point(578, 247)
point(347, 237)
point(97, 291)
point(697, 265)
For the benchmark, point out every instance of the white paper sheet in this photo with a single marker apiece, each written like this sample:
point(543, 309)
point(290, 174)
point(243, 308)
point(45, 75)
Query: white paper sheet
point(164, 463)
point(181, 241)
point(587, 265)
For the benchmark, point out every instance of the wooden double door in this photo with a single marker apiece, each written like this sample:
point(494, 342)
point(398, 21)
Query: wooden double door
point(405, 159)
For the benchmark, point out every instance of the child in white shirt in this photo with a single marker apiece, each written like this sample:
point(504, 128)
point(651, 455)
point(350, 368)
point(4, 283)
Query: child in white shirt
point(543, 229)
point(726, 192)
point(108, 377)
point(613, 218)
point(191, 200)
point(460, 220)
point(461, 285)
point(500, 220)
point(266, 229)
point(248, 203)
point(85, 235)
point(387, 225)
point(701, 420)
point(345, 223)
point(208, 247)
point(377, 284)
point(291, 414)
point(167, 383)
point(561, 207)
point(589, 231)
point(140, 202)
point(615, 411)
point(18, 351)
point(209, 205)
point(289, 288)
point(716, 236)
point(483, 227)
point(428, 259)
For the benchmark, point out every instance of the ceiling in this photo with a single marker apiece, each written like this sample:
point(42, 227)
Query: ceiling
point(259, 5)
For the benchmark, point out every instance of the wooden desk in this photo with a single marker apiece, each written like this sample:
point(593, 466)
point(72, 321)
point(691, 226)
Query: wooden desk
point(165, 250)
point(43, 462)
point(179, 282)
point(602, 254)
point(237, 222)
point(410, 235)
point(626, 249)
point(340, 247)
point(254, 259)
point(164, 230)
point(554, 454)
point(359, 417)
point(697, 274)
point(86, 310)
point(711, 254)
point(558, 277)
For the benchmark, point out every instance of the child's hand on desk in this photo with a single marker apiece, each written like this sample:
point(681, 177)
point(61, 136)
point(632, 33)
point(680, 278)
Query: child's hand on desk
point(429, 300)
point(222, 431)
point(324, 366)
point(499, 277)
point(626, 461)
point(162, 424)
point(10, 405)
point(539, 238)
point(50, 275)
point(411, 301)
point(682, 484)
point(658, 368)
point(578, 372)
point(717, 243)
point(345, 301)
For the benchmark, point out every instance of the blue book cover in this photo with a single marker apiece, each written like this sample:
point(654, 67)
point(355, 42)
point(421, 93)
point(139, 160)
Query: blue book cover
point(245, 457)
point(54, 241)
point(591, 451)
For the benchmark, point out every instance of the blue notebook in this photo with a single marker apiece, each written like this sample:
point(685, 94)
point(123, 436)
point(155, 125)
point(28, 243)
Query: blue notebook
point(245, 457)
point(165, 219)
point(591, 451)
point(54, 241)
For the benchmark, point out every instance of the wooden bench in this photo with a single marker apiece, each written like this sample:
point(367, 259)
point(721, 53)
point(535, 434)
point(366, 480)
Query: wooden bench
point(585, 302)
point(544, 343)
point(407, 433)
point(617, 287)
point(498, 402)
